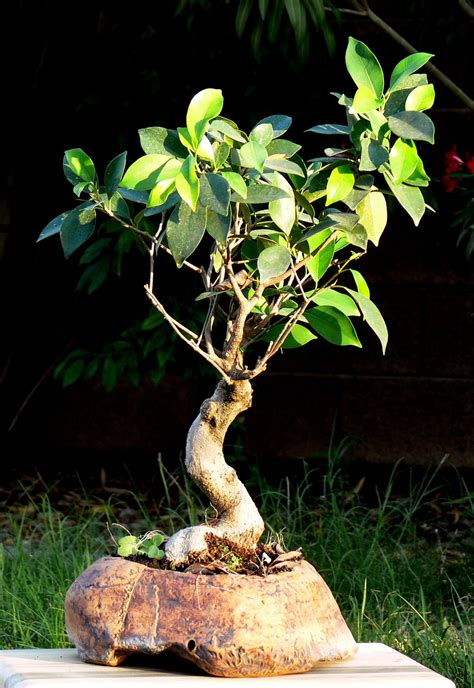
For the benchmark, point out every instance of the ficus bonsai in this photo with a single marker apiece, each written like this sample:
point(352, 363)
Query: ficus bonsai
point(271, 239)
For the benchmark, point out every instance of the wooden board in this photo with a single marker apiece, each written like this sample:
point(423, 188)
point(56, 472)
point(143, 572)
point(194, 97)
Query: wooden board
point(375, 665)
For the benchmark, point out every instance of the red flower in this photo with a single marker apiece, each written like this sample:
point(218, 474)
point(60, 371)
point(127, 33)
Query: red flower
point(453, 164)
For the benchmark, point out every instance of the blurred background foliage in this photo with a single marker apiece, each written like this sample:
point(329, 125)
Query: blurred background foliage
point(92, 76)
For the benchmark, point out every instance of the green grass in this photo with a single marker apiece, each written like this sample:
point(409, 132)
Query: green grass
point(398, 578)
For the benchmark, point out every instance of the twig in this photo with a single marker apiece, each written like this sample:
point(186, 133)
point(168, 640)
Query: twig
point(186, 263)
point(467, 7)
point(180, 329)
point(298, 266)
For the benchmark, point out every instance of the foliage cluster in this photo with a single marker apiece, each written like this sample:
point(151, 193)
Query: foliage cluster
point(280, 233)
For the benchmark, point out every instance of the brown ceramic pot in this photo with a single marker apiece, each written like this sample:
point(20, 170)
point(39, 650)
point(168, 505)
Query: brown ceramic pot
point(229, 625)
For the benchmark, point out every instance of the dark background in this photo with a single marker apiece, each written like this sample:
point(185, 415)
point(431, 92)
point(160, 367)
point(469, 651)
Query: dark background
point(89, 76)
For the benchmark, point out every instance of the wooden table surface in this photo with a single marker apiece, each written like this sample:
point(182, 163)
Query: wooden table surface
point(374, 664)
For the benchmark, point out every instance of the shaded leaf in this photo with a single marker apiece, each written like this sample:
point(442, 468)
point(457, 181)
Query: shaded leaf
point(282, 165)
point(218, 225)
point(372, 155)
point(215, 193)
point(409, 197)
point(282, 147)
point(412, 125)
point(280, 124)
point(330, 129)
point(333, 325)
point(114, 173)
point(162, 141)
point(185, 230)
point(273, 261)
point(77, 227)
point(53, 227)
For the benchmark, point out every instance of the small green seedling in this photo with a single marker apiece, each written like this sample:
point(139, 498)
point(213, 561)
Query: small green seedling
point(148, 544)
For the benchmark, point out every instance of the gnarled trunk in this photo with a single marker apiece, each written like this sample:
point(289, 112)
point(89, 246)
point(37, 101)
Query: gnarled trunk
point(238, 518)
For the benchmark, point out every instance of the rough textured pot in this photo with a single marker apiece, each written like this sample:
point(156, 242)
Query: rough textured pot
point(229, 625)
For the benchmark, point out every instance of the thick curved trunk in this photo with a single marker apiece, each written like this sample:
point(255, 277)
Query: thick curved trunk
point(238, 519)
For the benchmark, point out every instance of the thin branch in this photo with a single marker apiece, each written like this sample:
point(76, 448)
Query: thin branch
point(467, 7)
point(179, 329)
point(186, 263)
point(363, 8)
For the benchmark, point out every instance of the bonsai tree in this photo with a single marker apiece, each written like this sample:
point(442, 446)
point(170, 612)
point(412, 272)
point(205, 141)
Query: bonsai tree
point(271, 239)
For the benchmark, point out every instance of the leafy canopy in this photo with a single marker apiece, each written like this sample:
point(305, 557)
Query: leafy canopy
point(271, 235)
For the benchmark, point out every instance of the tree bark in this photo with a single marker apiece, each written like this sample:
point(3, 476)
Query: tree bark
point(238, 519)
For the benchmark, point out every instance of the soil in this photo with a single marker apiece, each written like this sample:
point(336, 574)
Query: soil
point(223, 556)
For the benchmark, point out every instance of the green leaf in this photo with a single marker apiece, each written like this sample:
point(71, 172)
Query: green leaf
point(283, 147)
point(161, 192)
point(77, 227)
point(419, 176)
point(187, 182)
point(372, 212)
point(114, 172)
point(273, 261)
point(127, 546)
point(357, 236)
point(205, 149)
point(397, 97)
point(372, 155)
point(280, 124)
point(186, 138)
point(73, 372)
point(215, 193)
point(203, 107)
point(185, 230)
point(218, 225)
point(319, 264)
point(119, 206)
point(154, 552)
point(157, 539)
point(299, 336)
point(365, 100)
point(403, 160)
point(262, 134)
point(80, 164)
point(409, 197)
point(407, 66)
point(331, 297)
point(261, 193)
point(361, 284)
point(253, 155)
point(161, 141)
point(227, 129)
point(340, 183)
point(109, 374)
point(412, 125)
point(221, 154)
point(142, 175)
point(282, 211)
point(53, 227)
point(330, 129)
point(421, 98)
point(282, 165)
point(236, 183)
point(79, 188)
point(372, 315)
point(333, 325)
point(364, 67)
